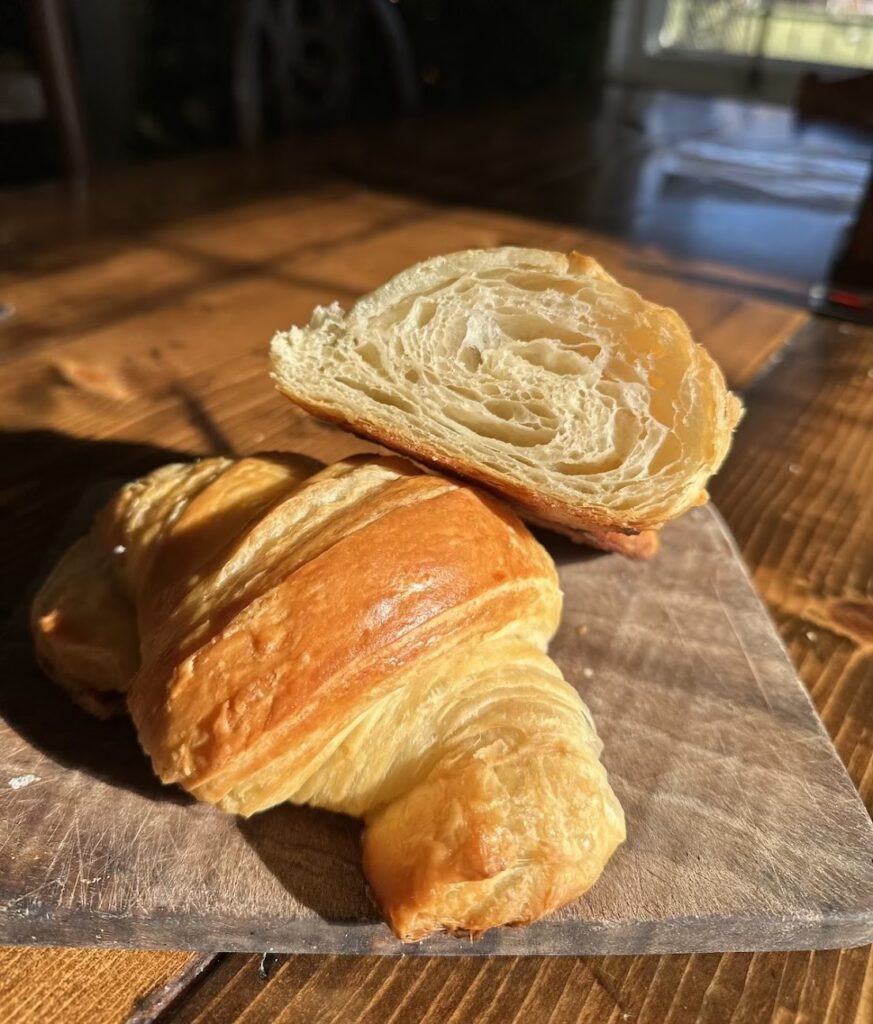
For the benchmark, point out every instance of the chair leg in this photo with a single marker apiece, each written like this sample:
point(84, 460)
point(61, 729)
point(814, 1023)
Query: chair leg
point(247, 86)
point(396, 39)
point(63, 96)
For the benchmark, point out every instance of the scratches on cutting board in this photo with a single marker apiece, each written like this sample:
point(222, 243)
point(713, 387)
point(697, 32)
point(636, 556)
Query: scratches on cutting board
point(743, 829)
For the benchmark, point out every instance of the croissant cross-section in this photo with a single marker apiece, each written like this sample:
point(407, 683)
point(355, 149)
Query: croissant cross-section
point(535, 373)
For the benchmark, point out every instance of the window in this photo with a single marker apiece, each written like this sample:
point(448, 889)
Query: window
point(738, 45)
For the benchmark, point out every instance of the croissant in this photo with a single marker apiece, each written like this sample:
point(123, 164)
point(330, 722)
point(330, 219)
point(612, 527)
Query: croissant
point(365, 638)
point(534, 373)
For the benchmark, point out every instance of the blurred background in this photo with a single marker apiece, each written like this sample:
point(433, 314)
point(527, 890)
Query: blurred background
point(737, 131)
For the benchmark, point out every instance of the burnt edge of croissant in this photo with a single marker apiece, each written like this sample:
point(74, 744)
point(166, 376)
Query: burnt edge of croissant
point(600, 530)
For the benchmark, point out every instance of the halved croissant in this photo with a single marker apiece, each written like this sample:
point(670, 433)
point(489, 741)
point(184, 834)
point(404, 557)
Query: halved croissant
point(365, 638)
point(534, 373)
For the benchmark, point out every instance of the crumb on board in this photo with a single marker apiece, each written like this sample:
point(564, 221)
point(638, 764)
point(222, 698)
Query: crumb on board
point(20, 781)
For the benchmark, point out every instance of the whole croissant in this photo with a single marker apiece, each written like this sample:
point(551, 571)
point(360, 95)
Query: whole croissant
point(365, 638)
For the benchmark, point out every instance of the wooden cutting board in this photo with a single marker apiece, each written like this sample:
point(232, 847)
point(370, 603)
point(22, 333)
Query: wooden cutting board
point(744, 831)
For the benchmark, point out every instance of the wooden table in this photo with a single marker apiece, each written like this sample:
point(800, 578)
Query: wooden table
point(142, 315)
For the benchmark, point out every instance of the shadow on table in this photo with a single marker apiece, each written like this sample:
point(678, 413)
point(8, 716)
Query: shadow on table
point(52, 486)
point(316, 856)
point(565, 551)
point(43, 715)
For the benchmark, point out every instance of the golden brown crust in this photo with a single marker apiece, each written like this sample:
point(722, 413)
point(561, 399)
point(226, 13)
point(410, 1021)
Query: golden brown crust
point(306, 634)
point(366, 638)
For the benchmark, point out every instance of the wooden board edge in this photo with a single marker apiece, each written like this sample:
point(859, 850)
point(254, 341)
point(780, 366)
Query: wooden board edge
point(841, 929)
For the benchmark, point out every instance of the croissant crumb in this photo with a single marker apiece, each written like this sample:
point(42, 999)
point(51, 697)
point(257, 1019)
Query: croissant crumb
point(533, 373)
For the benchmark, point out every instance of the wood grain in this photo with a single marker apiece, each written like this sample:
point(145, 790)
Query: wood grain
point(808, 530)
point(182, 398)
point(103, 349)
point(79, 986)
point(748, 988)
point(343, 240)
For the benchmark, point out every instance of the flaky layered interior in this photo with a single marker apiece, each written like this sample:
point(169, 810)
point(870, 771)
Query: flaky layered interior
point(364, 638)
point(531, 371)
